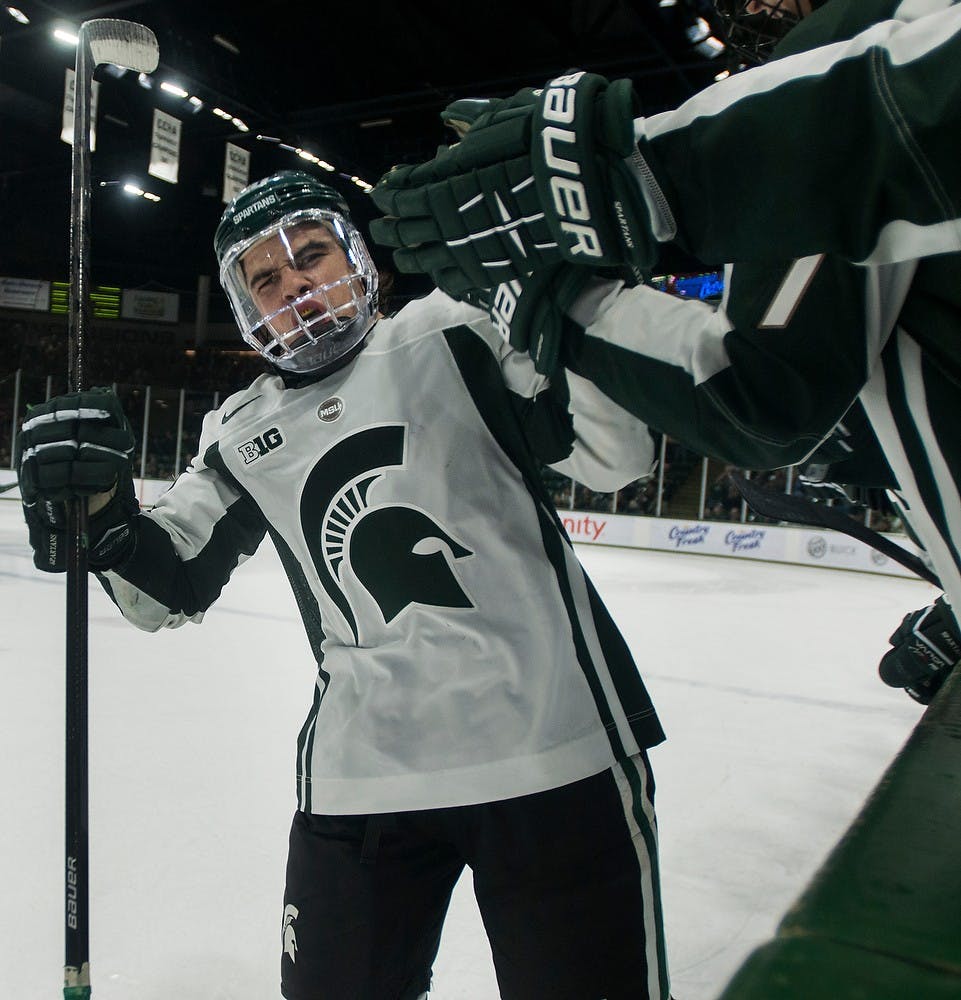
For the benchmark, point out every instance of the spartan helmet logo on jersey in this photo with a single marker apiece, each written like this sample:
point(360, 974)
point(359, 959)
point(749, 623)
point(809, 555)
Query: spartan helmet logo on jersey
point(403, 557)
point(398, 553)
point(299, 278)
point(289, 934)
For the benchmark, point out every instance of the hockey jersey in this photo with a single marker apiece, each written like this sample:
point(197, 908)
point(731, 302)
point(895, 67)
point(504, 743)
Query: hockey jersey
point(463, 654)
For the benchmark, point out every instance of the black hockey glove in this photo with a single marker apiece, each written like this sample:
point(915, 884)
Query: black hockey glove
point(927, 648)
point(77, 445)
point(530, 184)
point(111, 532)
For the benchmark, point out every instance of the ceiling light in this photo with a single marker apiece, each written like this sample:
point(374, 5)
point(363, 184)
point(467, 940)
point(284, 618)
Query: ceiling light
point(145, 81)
point(240, 125)
point(64, 36)
point(226, 43)
point(18, 15)
point(197, 102)
point(135, 189)
point(173, 88)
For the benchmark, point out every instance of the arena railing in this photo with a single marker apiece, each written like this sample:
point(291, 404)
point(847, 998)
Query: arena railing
point(167, 424)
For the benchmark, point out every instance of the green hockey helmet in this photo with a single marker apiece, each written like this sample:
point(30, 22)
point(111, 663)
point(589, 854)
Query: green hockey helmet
point(297, 273)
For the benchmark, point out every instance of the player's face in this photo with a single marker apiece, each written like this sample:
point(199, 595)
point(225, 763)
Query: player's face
point(779, 8)
point(289, 265)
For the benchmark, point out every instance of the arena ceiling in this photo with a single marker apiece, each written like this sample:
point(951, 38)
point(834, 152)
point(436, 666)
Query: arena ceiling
point(359, 85)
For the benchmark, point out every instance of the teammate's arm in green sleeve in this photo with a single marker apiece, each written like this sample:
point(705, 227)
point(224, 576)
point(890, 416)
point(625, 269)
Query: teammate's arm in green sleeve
point(729, 383)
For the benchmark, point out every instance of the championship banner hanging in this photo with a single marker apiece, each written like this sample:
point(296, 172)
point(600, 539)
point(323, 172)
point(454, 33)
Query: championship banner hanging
point(165, 147)
point(66, 132)
point(236, 171)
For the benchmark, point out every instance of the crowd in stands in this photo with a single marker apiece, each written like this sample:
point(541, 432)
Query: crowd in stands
point(210, 373)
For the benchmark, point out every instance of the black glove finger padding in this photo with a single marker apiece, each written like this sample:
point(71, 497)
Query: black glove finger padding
point(493, 138)
point(407, 230)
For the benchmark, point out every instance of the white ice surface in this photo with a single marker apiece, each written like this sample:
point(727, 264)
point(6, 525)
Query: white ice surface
point(764, 677)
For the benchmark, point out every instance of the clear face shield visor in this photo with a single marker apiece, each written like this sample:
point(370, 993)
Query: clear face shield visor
point(304, 290)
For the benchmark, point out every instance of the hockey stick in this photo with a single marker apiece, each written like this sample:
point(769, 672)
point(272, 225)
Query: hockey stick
point(133, 47)
point(780, 507)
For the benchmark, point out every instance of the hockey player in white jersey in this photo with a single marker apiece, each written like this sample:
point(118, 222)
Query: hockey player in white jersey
point(475, 703)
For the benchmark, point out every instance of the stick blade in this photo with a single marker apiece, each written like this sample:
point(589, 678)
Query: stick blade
point(122, 43)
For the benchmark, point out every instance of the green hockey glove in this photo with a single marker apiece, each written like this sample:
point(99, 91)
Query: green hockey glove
point(532, 313)
point(73, 445)
point(77, 445)
point(531, 184)
point(111, 532)
point(463, 114)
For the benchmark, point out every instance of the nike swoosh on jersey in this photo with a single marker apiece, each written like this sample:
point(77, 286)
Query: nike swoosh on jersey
point(233, 413)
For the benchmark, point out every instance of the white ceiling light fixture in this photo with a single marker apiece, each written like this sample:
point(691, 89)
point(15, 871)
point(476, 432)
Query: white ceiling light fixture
point(226, 43)
point(134, 189)
point(174, 88)
point(18, 15)
point(65, 36)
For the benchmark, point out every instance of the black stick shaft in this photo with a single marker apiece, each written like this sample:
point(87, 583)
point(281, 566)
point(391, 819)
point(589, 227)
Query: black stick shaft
point(77, 924)
point(76, 875)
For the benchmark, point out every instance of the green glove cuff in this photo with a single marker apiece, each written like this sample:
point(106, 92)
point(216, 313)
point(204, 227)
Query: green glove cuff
point(111, 532)
point(532, 313)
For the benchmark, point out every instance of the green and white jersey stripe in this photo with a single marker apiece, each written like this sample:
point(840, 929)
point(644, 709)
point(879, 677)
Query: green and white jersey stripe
point(463, 654)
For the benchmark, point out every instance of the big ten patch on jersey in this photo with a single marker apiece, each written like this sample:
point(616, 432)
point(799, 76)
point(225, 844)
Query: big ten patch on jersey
point(261, 444)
